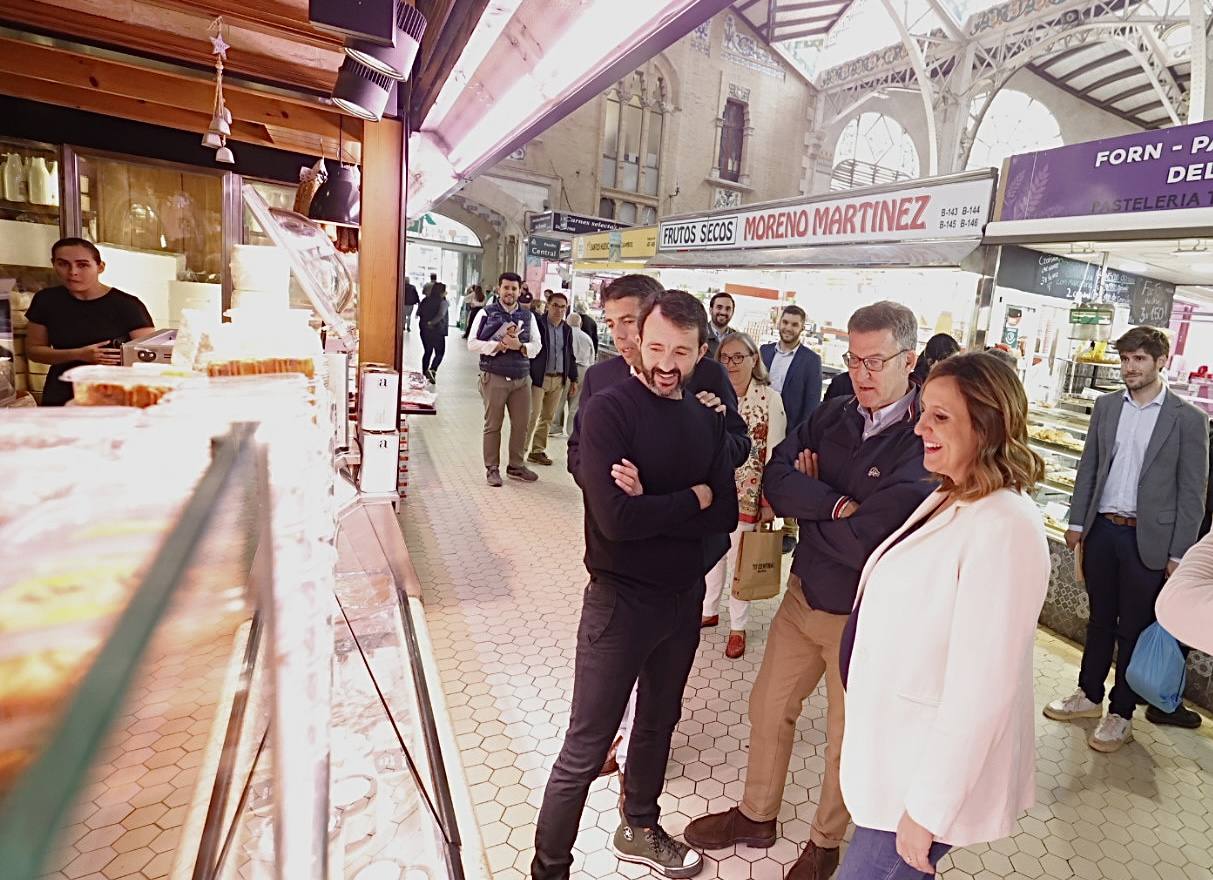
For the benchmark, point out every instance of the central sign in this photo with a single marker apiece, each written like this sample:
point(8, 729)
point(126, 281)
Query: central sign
point(936, 211)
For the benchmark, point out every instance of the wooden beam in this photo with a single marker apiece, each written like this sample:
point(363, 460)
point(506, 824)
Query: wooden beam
point(152, 86)
point(445, 37)
point(1062, 56)
point(125, 108)
point(1083, 96)
point(1108, 80)
point(1130, 93)
point(379, 243)
point(816, 4)
point(800, 22)
point(154, 43)
point(1119, 55)
point(263, 16)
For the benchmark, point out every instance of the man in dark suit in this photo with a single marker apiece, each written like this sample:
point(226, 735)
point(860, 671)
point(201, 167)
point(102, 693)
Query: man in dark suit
point(796, 374)
point(1139, 499)
point(551, 371)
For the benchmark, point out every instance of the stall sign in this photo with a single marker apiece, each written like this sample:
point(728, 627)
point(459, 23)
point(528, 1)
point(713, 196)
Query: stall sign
point(572, 224)
point(544, 248)
point(1091, 317)
point(1149, 299)
point(940, 211)
point(620, 244)
point(1165, 170)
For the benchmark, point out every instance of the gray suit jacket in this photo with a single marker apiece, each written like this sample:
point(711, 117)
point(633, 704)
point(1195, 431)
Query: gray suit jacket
point(1174, 477)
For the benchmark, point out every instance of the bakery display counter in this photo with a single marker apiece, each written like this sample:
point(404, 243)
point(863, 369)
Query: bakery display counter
point(227, 677)
point(1057, 434)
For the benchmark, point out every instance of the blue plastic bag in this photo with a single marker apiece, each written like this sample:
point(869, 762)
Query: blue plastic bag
point(1158, 672)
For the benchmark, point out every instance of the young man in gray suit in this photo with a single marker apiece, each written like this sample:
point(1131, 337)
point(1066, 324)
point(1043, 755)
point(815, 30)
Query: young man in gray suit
point(1139, 499)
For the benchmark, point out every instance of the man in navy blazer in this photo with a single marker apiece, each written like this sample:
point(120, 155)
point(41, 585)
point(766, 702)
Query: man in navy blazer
point(795, 369)
point(796, 374)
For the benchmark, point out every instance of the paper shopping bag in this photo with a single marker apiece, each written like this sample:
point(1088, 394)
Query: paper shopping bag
point(759, 565)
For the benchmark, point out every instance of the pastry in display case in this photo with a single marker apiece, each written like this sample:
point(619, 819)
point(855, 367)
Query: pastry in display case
point(1058, 435)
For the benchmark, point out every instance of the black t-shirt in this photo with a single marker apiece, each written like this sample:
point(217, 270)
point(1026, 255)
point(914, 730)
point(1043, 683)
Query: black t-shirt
point(76, 323)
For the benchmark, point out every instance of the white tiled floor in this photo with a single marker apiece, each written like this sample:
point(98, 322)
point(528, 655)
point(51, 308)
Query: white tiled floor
point(503, 576)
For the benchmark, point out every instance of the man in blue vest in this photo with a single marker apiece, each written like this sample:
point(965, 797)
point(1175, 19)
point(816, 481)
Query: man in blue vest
point(506, 338)
point(796, 374)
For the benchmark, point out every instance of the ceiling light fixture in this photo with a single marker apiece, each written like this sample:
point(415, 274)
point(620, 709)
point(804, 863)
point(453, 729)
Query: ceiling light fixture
point(396, 60)
point(339, 199)
point(361, 90)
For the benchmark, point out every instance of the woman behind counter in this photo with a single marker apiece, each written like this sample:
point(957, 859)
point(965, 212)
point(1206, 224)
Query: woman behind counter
point(82, 321)
point(939, 750)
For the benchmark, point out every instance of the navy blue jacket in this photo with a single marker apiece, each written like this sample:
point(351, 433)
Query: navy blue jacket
point(802, 387)
point(884, 474)
point(539, 364)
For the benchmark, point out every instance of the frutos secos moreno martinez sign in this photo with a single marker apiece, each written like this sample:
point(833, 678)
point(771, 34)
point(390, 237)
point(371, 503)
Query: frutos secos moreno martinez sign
point(958, 209)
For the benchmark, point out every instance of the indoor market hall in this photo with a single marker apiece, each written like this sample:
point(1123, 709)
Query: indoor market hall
point(502, 579)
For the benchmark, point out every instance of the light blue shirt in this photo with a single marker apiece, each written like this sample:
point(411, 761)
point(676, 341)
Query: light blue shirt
point(1133, 433)
point(555, 347)
point(780, 364)
point(875, 422)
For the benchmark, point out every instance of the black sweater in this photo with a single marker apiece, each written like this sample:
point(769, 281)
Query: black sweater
point(709, 376)
point(654, 541)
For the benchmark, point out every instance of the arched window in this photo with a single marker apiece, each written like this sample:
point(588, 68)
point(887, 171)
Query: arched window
point(873, 148)
point(632, 145)
point(732, 138)
point(1014, 123)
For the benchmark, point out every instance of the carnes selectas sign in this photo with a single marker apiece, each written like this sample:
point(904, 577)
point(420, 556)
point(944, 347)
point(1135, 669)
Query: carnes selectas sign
point(958, 209)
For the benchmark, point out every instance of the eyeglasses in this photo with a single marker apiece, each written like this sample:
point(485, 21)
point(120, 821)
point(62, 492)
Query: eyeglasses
point(873, 364)
point(734, 360)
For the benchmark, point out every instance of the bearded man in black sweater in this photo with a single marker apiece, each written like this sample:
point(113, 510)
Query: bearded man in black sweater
point(640, 615)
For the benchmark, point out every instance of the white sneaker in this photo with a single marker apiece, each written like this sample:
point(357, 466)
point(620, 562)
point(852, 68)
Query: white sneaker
point(1111, 733)
point(1074, 706)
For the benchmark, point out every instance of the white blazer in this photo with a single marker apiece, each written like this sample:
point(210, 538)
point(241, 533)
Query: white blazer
point(940, 707)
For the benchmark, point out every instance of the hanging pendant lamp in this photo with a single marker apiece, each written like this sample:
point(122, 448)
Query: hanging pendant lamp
point(339, 198)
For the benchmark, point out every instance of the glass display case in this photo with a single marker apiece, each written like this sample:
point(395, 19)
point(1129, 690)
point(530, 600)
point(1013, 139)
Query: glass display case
point(1057, 434)
point(228, 674)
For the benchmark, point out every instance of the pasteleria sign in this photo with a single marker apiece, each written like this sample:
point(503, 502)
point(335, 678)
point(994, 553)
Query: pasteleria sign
point(943, 210)
point(1166, 170)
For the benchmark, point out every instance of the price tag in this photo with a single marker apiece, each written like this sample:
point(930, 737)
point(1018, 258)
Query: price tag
point(1058, 511)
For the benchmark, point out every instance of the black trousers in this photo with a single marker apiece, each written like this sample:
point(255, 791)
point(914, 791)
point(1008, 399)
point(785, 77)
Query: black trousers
point(624, 636)
point(433, 348)
point(1122, 593)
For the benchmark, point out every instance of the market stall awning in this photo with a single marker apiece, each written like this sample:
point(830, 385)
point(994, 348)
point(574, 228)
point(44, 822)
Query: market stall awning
point(526, 65)
point(920, 254)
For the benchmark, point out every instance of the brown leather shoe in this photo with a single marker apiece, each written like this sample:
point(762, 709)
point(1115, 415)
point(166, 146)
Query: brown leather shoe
point(736, 646)
point(722, 830)
point(815, 863)
point(610, 765)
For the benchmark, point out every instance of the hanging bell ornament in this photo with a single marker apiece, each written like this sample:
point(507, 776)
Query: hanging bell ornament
point(212, 141)
point(219, 125)
point(227, 114)
point(224, 154)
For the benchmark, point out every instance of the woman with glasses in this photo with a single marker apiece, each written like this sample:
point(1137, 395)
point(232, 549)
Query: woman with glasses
point(762, 408)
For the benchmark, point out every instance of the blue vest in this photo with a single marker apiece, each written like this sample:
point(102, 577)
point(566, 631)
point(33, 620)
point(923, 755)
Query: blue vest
point(511, 364)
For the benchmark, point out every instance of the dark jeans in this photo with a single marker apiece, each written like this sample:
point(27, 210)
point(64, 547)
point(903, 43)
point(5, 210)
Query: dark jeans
point(872, 855)
point(432, 347)
point(1122, 593)
point(472, 312)
point(624, 635)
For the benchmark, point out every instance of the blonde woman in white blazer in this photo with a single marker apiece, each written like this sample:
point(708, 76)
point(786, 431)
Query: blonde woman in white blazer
point(939, 750)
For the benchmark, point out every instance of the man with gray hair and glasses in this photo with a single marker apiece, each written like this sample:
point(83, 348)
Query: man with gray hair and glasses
point(851, 475)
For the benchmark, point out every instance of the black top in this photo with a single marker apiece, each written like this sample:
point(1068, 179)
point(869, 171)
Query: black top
point(884, 474)
point(433, 316)
point(709, 376)
point(76, 323)
point(840, 386)
point(654, 541)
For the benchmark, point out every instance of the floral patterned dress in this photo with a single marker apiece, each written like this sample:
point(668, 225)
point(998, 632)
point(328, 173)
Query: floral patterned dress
point(762, 409)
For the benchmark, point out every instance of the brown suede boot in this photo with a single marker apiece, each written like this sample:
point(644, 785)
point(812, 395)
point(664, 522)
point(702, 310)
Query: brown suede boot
point(815, 863)
point(722, 830)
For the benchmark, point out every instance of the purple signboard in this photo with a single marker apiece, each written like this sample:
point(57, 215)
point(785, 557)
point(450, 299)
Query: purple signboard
point(1163, 170)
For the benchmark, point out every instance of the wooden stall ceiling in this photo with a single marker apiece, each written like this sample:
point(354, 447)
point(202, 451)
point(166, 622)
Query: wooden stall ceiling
point(270, 42)
point(186, 211)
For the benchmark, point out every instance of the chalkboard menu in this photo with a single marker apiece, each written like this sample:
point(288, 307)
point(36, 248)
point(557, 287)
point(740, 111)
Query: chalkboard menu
point(1149, 300)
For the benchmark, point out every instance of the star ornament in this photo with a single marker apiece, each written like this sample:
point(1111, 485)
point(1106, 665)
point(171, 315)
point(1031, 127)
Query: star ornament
point(219, 46)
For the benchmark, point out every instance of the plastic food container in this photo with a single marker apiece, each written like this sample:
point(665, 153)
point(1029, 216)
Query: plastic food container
point(139, 386)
